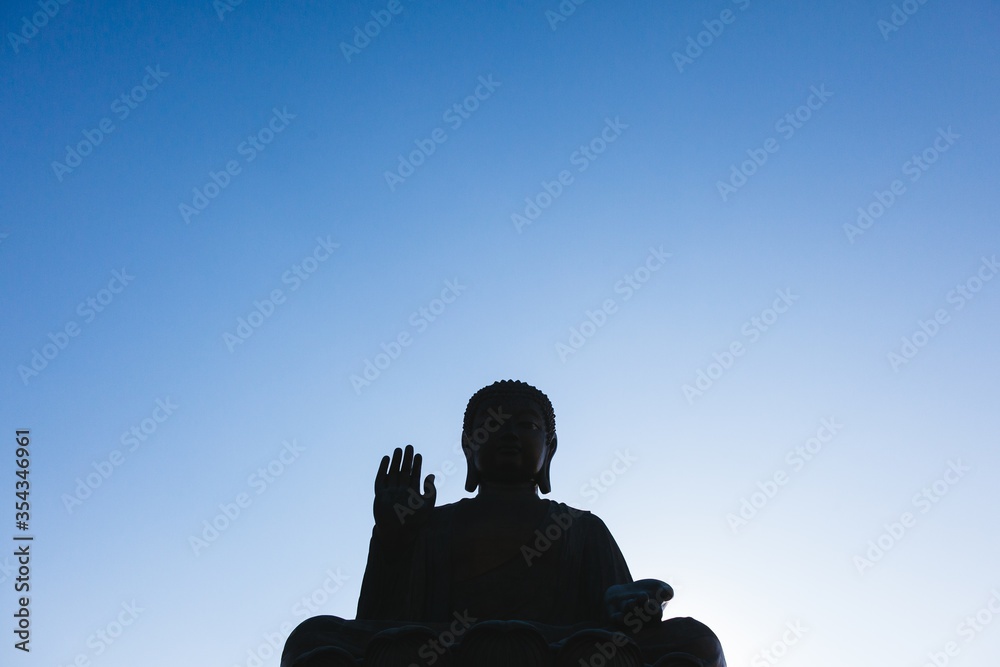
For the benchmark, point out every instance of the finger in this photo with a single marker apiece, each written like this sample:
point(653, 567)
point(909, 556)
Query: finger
point(415, 474)
point(404, 471)
point(397, 455)
point(382, 475)
point(430, 493)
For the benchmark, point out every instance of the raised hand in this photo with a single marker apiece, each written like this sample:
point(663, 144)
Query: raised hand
point(400, 509)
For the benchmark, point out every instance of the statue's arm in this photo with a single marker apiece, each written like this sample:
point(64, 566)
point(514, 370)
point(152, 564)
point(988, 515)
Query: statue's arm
point(622, 600)
point(386, 584)
point(401, 514)
point(602, 566)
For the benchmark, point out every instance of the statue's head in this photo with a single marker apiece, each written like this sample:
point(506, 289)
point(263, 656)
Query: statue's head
point(509, 435)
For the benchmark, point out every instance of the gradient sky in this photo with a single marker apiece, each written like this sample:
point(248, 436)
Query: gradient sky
point(902, 124)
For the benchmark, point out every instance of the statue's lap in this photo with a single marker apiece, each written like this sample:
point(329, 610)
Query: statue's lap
point(429, 641)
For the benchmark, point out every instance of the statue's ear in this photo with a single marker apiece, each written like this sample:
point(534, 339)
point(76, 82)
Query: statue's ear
point(544, 480)
point(472, 475)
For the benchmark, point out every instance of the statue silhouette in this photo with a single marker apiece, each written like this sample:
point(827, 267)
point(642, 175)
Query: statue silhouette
point(505, 578)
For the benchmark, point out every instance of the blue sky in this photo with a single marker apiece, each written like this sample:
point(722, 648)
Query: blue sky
point(548, 166)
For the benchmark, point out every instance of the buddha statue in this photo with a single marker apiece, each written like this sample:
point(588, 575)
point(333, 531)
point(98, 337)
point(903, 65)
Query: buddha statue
point(504, 578)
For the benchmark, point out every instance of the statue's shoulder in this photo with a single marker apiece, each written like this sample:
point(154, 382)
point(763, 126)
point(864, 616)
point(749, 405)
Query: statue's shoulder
point(582, 519)
point(575, 511)
point(557, 506)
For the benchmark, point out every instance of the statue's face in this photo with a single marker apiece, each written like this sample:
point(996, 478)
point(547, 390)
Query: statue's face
point(508, 443)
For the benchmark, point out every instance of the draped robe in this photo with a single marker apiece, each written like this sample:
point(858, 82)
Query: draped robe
point(554, 576)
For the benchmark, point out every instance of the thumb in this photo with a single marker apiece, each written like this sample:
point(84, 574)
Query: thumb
point(664, 592)
point(430, 493)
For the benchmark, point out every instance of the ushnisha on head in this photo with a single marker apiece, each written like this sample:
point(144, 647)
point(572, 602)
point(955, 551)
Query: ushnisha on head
point(509, 437)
